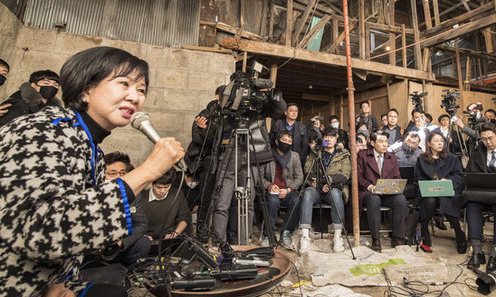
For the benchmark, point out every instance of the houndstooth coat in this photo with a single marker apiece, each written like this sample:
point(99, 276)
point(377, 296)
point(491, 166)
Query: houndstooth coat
point(54, 205)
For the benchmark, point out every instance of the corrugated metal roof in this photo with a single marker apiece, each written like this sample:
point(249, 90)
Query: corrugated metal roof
point(161, 22)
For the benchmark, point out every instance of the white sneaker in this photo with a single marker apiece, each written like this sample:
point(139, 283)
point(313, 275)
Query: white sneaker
point(265, 242)
point(338, 244)
point(286, 238)
point(304, 245)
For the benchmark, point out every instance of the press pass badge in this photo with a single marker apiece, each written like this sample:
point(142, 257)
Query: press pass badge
point(132, 209)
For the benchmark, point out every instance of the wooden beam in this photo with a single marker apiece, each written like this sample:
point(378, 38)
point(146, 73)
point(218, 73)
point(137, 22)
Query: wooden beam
point(335, 32)
point(453, 8)
point(207, 49)
point(379, 6)
point(273, 74)
point(403, 45)
point(315, 97)
point(416, 33)
point(392, 37)
point(465, 5)
point(388, 28)
point(427, 14)
point(468, 73)
point(367, 41)
point(230, 29)
point(310, 35)
point(459, 71)
point(361, 28)
point(242, 14)
point(289, 22)
point(303, 21)
point(263, 21)
point(332, 47)
point(468, 52)
point(458, 19)
point(281, 51)
point(488, 38)
point(435, 7)
point(462, 30)
point(271, 20)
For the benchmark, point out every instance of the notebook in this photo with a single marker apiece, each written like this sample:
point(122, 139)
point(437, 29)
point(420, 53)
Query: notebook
point(390, 186)
point(436, 188)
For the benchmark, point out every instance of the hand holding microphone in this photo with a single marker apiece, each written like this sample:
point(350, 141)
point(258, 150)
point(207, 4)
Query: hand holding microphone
point(166, 152)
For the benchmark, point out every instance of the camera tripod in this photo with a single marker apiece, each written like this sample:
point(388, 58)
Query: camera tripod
point(320, 171)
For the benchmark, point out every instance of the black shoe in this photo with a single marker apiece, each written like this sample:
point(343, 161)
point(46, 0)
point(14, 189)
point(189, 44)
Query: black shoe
point(397, 241)
point(461, 243)
point(376, 245)
point(440, 225)
point(491, 264)
point(476, 260)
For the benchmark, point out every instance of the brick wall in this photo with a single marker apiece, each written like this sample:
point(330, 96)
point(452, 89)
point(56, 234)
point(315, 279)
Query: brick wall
point(182, 82)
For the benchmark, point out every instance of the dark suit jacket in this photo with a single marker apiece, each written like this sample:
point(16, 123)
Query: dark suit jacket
point(449, 168)
point(368, 171)
point(478, 160)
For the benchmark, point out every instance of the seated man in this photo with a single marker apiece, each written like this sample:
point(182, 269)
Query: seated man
point(343, 138)
point(422, 127)
point(32, 96)
point(482, 159)
point(136, 245)
point(373, 164)
point(167, 218)
point(282, 178)
point(408, 151)
point(338, 169)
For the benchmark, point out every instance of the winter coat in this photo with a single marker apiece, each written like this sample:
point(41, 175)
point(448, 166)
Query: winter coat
point(25, 101)
point(292, 174)
point(55, 205)
point(449, 168)
point(407, 156)
point(300, 137)
point(478, 160)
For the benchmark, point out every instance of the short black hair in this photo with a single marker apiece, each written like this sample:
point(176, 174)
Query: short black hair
point(373, 136)
point(36, 76)
point(5, 64)
point(413, 134)
point(330, 132)
point(167, 178)
point(312, 138)
point(89, 67)
point(113, 157)
point(487, 127)
point(491, 110)
point(333, 117)
point(363, 102)
point(442, 117)
point(291, 104)
point(417, 110)
point(283, 132)
point(220, 90)
point(384, 115)
point(359, 139)
point(393, 109)
point(428, 115)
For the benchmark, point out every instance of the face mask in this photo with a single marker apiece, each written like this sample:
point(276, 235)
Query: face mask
point(3, 78)
point(284, 147)
point(335, 125)
point(192, 184)
point(364, 132)
point(48, 92)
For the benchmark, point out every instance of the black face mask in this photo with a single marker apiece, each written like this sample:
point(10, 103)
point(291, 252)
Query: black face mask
point(284, 147)
point(3, 78)
point(48, 92)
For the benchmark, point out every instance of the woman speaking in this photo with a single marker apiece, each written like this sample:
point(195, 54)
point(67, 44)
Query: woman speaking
point(54, 204)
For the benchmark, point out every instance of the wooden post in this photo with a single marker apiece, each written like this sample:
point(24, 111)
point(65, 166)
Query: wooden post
point(489, 39)
point(392, 36)
point(367, 42)
point(303, 21)
point(403, 45)
point(273, 78)
point(361, 28)
point(459, 72)
point(335, 32)
point(289, 22)
point(271, 20)
point(437, 18)
point(242, 14)
point(245, 60)
point(416, 33)
point(351, 108)
point(380, 11)
point(311, 34)
point(263, 20)
point(341, 111)
point(468, 73)
point(427, 14)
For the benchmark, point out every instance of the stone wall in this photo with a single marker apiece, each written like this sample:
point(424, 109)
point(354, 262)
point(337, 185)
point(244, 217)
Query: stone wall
point(182, 82)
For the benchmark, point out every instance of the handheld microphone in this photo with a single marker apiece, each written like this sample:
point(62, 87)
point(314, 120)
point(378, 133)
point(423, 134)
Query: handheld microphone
point(141, 121)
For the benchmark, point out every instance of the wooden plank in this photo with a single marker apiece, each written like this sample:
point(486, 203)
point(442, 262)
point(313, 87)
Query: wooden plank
point(403, 45)
point(310, 35)
point(361, 28)
point(427, 14)
point(207, 49)
point(335, 32)
point(242, 14)
point(458, 19)
point(488, 38)
point(289, 22)
point(332, 47)
point(462, 30)
point(392, 37)
point(416, 33)
point(367, 41)
point(380, 11)
point(273, 74)
point(459, 71)
point(230, 29)
point(451, 9)
point(388, 28)
point(271, 20)
point(303, 21)
point(469, 52)
point(245, 61)
point(427, 57)
point(263, 20)
point(468, 73)
point(465, 5)
point(277, 50)
point(435, 7)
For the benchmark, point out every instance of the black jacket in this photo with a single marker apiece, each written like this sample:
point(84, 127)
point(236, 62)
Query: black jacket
point(449, 168)
point(300, 137)
point(478, 160)
point(25, 101)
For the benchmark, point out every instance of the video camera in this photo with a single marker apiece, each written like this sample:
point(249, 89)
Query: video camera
point(449, 101)
point(417, 100)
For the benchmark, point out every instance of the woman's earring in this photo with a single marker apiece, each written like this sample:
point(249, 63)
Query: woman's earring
point(85, 100)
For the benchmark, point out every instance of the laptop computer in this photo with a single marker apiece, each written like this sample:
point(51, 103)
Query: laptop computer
point(390, 186)
point(481, 180)
point(408, 173)
point(436, 188)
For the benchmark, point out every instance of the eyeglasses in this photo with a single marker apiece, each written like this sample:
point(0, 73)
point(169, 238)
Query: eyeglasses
point(115, 174)
point(488, 139)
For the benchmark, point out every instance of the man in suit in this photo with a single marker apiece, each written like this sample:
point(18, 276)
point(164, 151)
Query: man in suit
point(373, 164)
point(281, 179)
point(482, 159)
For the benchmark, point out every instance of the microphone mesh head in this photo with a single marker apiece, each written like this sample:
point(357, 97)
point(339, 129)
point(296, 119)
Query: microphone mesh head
point(138, 118)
